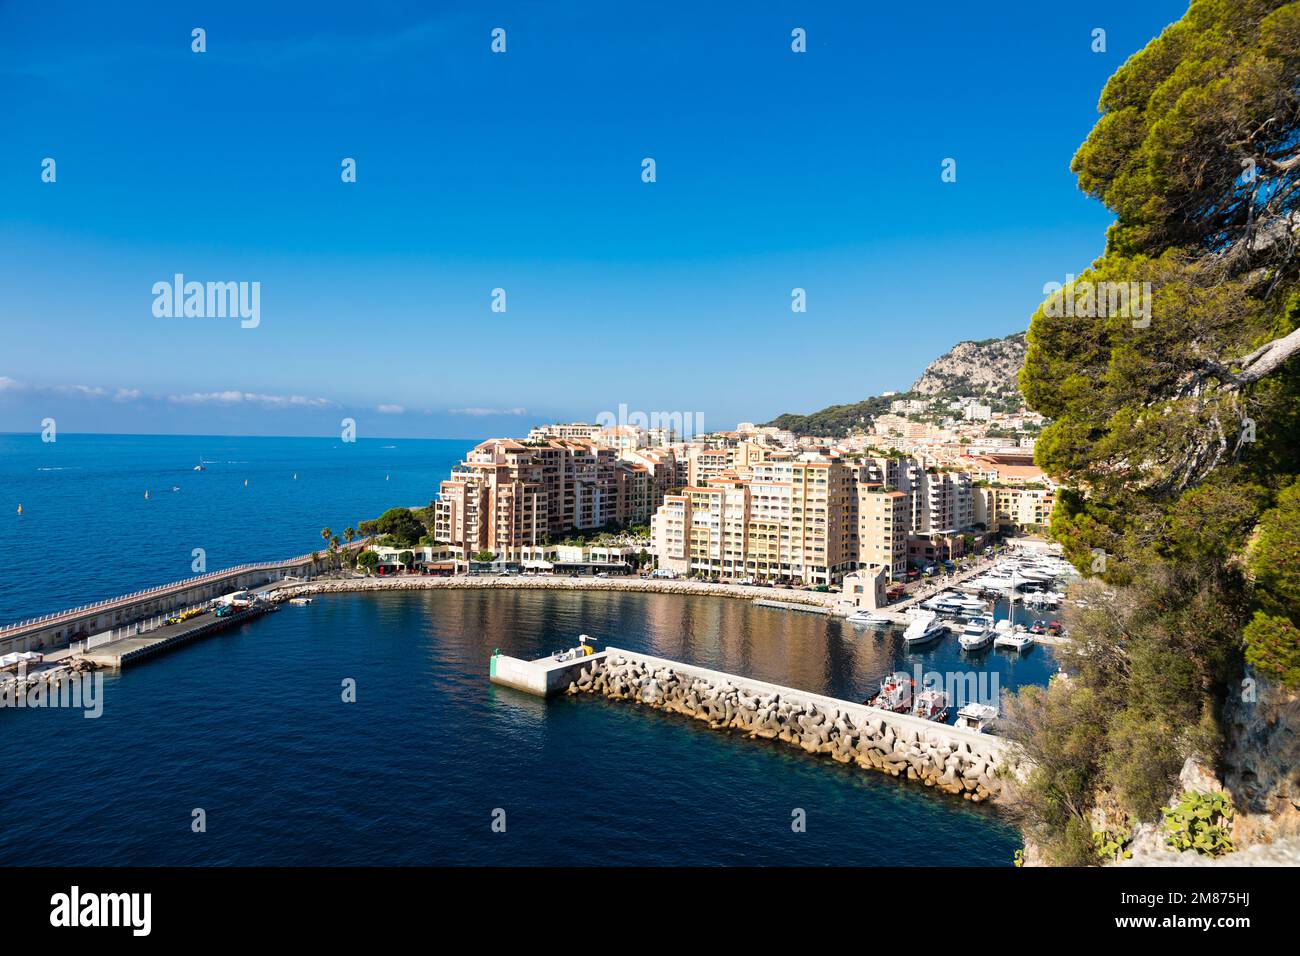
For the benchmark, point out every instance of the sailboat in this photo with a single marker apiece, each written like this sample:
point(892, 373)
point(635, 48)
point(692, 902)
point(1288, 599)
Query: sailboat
point(1008, 633)
point(146, 496)
point(20, 508)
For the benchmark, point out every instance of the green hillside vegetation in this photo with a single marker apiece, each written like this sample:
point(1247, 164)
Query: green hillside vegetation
point(1184, 432)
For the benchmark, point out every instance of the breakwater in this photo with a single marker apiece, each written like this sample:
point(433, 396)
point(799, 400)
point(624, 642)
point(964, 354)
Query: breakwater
point(814, 600)
point(977, 766)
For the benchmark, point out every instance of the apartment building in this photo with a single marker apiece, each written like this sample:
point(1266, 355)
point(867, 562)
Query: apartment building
point(510, 495)
point(883, 524)
point(784, 521)
point(998, 506)
point(811, 518)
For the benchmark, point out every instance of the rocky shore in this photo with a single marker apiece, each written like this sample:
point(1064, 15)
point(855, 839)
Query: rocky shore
point(645, 585)
point(976, 766)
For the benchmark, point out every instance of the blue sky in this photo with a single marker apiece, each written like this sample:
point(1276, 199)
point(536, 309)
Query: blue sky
point(522, 171)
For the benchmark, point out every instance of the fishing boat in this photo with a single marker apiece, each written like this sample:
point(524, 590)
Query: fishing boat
point(895, 693)
point(931, 704)
point(924, 627)
point(200, 467)
point(977, 633)
point(976, 717)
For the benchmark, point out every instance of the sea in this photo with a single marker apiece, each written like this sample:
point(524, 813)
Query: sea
point(362, 729)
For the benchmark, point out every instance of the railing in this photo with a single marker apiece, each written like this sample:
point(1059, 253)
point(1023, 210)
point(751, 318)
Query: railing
point(165, 588)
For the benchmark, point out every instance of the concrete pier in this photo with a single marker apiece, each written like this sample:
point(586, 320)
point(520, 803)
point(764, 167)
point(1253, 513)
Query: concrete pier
point(66, 627)
point(542, 678)
point(138, 646)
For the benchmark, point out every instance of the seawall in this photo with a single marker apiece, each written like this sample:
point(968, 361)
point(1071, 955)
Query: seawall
point(956, 760)
point(811, 599)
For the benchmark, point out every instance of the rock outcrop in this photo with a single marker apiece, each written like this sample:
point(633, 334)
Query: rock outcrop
point(972, 368)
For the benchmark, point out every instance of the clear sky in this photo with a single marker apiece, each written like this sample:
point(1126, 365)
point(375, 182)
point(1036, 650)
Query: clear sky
point(523, 171)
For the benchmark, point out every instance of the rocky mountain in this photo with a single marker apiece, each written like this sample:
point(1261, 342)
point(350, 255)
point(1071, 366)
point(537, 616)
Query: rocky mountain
point(985, 370)
point(974, 368)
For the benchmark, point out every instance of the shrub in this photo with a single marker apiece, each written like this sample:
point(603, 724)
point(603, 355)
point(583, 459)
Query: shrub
point(1200, 822)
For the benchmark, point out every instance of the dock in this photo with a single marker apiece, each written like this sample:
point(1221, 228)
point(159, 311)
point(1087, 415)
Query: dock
point(138, 646)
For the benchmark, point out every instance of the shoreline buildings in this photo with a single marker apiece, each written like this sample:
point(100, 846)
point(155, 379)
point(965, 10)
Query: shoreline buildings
point(757, 503)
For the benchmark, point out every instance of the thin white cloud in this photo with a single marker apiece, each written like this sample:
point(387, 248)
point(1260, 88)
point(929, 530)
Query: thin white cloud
point(234, 397)
point(8, 384)
point(390, 409)
point(481, 412)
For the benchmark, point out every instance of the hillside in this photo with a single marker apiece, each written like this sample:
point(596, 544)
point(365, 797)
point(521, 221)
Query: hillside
point(986, 369)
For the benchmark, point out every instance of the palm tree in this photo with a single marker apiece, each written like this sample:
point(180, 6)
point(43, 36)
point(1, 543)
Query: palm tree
point(325, 534)
point(349, 534)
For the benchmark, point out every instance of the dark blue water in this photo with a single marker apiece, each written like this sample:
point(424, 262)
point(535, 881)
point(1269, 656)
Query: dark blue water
point(250, 725)
point(87, 532)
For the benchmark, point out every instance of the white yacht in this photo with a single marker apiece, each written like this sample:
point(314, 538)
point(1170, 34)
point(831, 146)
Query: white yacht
point(925, 626)
point(1014, 637)
point(865, 618)
point(976, 717)
point(977, 633)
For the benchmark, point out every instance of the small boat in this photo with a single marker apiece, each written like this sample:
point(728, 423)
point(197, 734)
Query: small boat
point(977, 717)
point(300, 601)
point(200, 467)
point(1054, 629)
point(146, 496)
point(20, 509)
point(977, 633)
point(1038, 627)
point(1012, 636)
point(176, 487)
point(895, 693)
point(931, 704)
point(245, 482)
point(295, 476)
point(925, 626)
point(865, 618)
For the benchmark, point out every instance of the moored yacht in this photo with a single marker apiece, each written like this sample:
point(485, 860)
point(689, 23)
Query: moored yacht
point(977, 717)
point(977, 633)
point(1012, 636)
point(925, 626)
point(865, 618)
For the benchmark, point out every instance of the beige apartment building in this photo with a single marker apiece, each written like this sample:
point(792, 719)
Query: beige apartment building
point(811, 519)
point(508, 496)
point(785, 521)
point(998, 506)
point(884, 520)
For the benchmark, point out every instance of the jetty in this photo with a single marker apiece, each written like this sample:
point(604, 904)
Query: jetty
point(957, 760)
point(137, 645)
point(89, 621)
